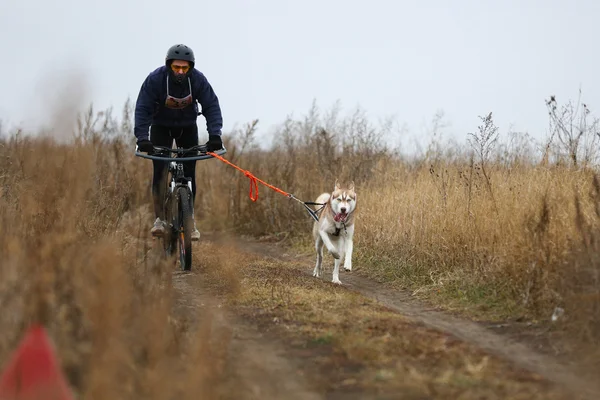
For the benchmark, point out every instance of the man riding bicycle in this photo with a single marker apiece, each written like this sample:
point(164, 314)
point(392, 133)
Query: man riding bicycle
point(166, 109)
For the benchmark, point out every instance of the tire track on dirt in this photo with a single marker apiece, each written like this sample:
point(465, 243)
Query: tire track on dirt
point(255, 367)
point(472, 332)
point(463, 329)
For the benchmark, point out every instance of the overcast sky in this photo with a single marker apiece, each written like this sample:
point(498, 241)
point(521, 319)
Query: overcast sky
point(267, 59)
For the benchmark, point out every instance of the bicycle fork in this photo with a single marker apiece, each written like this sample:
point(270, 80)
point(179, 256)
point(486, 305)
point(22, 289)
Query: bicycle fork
point(178, 168)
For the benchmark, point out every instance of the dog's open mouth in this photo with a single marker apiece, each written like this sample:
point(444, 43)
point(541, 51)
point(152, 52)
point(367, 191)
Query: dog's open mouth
point(340, 217)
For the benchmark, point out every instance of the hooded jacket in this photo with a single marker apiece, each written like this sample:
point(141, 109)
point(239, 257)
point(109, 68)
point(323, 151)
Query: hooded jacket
point(151, 107)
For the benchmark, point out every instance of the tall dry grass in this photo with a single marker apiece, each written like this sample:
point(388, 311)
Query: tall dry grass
point(73, 220)
point(501, 224)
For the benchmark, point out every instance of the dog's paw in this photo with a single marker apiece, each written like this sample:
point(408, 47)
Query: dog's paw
point(316, 274)
point(336, 281)
point(348, 269)
point(335, 254)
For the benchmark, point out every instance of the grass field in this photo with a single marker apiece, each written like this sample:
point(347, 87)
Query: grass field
point(500, 229)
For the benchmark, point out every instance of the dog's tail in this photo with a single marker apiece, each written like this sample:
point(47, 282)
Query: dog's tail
point(322, 199)
point(321, 202)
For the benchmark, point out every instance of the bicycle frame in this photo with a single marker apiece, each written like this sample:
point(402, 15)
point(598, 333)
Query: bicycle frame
point(177, 202)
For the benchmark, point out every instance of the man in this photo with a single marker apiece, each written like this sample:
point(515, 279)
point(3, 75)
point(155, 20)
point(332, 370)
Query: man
point(166, 110)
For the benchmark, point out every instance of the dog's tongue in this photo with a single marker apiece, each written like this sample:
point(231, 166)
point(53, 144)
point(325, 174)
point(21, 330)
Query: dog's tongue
point(340, 217)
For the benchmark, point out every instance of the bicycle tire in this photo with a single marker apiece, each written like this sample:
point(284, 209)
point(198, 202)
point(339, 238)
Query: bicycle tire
point(170, 236)
point(185, 226)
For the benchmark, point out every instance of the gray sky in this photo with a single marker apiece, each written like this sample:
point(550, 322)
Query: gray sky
point(267, 59)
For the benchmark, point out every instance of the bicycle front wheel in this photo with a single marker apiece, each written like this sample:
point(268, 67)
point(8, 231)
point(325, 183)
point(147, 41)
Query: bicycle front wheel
point(170, 235)
point(185, 227)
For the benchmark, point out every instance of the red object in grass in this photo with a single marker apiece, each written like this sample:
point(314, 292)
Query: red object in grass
point(33, 371)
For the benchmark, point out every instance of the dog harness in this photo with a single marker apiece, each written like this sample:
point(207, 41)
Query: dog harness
point(337, 230)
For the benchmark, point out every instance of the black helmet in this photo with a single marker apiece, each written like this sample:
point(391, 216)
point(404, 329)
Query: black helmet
point(180, 52)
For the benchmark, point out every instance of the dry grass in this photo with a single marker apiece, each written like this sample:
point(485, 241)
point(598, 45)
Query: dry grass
point(72, 260)
point(495, 229)
point(505, 233)
point(358, 346)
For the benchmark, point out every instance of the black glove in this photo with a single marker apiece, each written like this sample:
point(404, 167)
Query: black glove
point(214, 143)
point(145, 145)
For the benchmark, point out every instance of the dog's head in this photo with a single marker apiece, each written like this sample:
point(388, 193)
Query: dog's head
point(343, 201)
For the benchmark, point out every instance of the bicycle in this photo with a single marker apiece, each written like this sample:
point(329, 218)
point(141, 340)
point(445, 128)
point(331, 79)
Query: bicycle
point(177, 203)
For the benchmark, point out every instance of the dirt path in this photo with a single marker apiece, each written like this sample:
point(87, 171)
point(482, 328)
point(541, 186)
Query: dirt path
point(472, 332)
point(507, 348)
point(255, 366)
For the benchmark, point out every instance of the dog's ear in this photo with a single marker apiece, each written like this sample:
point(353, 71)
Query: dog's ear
point(337, 185)
point(351, 186)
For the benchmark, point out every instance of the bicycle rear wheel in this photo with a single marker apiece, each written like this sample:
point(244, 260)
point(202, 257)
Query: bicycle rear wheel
point(184, 227)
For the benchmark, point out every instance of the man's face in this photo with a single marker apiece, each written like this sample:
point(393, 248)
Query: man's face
point(180, 68)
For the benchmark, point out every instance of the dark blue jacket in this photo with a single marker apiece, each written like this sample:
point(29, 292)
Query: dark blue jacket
point(150, 107)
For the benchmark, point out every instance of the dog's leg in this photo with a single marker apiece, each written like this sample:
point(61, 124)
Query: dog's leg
point(348, 255)
point(330, 247)
point(319, 263)
point(336, 271)
point(348, 247)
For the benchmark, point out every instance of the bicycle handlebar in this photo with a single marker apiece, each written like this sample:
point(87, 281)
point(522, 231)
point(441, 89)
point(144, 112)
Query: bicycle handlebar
point(195, 149)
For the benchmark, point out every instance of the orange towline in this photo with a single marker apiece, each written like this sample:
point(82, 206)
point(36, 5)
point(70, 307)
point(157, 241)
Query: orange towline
point(254, 185)
point(253, 180)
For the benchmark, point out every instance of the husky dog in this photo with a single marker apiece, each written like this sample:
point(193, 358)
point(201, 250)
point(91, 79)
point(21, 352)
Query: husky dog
point(335, 228)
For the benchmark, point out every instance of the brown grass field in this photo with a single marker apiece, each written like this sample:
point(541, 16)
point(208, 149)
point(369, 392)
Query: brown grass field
point(502, 233)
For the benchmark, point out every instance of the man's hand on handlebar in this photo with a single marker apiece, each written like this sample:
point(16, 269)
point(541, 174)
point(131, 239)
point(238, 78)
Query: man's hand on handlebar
point(146, 146)
point(214, 143)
